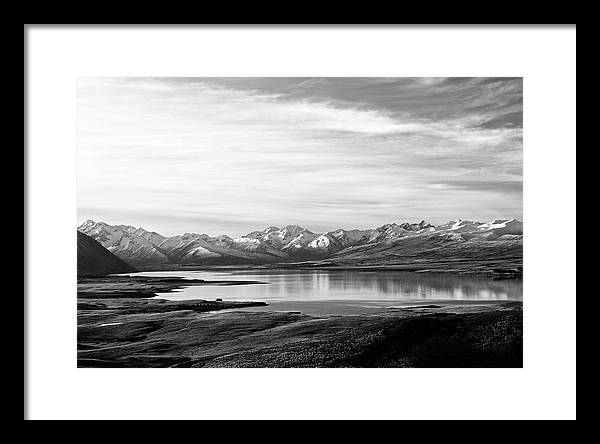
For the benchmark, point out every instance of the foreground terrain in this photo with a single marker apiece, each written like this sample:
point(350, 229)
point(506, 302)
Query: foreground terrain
point(141, 332)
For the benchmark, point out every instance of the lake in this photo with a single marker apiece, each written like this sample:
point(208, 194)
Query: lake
point(326, 291)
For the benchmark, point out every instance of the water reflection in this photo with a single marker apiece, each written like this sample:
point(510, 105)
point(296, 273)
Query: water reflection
point(286, 285)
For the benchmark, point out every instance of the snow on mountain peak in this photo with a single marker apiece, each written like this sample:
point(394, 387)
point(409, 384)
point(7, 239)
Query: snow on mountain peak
point(320, 242)
point(290, 241)
point(457, 224)
point(87, 223)
point(303, 240)
point(125, 241)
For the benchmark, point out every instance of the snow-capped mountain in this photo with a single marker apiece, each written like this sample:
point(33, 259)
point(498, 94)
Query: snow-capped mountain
point(301, 242)
point(293, 242)
point(134, 245)
point(391, 232)
point(495, 229)
point(279, 237)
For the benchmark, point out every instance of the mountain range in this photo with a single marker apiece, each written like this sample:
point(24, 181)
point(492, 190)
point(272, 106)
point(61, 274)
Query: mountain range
point(292, 243)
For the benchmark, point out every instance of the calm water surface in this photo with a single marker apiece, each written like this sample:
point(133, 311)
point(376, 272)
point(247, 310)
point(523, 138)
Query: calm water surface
point(360, 290)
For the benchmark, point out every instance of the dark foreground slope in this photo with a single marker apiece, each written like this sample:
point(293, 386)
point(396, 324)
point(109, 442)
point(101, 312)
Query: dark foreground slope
point(95, 260)
point(154, 333)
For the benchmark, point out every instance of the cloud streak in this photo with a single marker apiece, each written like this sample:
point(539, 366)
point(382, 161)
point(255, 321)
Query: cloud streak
point(229, 155)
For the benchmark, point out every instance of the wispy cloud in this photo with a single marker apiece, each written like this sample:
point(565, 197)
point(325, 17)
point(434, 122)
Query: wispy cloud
point(225, 155)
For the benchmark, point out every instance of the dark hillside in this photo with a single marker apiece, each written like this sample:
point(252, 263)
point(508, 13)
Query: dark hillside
point(95, 260)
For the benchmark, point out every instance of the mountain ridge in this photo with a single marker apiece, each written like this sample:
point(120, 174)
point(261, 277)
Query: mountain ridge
point(292, 243)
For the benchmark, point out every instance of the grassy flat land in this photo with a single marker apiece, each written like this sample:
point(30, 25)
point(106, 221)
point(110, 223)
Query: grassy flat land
point(134, 332)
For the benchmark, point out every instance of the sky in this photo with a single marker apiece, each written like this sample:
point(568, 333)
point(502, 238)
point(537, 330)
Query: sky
point(233, 155)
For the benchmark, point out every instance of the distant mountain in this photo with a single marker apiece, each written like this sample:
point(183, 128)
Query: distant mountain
point(95, 260)
point(134, 245)
point(458, 238)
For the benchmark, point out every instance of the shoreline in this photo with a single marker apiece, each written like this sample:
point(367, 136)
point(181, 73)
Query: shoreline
point(126, 286)
point(121, 322)
point(135, 332)
point(503, 268)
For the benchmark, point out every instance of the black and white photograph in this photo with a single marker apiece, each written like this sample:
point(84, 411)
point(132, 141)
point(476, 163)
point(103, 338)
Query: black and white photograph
point(299, 222)
point(296, 222)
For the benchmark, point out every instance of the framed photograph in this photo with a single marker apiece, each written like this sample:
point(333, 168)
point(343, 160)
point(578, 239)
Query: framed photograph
point(266, 217)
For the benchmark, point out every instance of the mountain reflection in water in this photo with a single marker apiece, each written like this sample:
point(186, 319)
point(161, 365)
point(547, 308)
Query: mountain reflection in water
point(323, 285)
